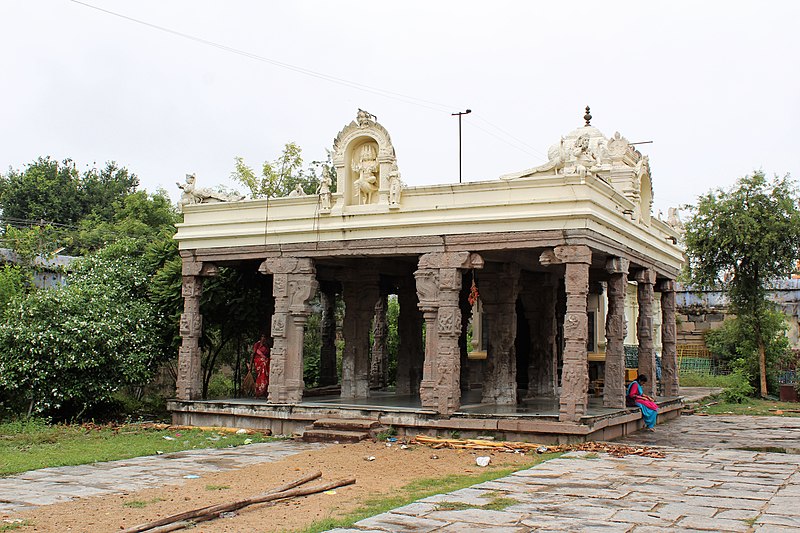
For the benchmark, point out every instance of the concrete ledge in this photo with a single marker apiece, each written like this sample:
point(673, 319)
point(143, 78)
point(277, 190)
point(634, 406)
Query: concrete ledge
point(283, 419)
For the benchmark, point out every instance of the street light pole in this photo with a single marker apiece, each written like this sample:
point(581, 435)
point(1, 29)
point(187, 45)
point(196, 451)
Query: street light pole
point(459, 114)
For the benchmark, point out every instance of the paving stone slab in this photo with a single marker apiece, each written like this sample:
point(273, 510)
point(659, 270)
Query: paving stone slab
point(713, 524)
point(397, 523)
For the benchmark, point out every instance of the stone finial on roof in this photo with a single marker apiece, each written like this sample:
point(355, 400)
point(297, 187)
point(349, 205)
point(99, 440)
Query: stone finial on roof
point(587, 117)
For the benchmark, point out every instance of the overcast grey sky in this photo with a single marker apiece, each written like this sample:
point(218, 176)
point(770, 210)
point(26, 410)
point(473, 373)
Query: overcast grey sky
point(714, 85)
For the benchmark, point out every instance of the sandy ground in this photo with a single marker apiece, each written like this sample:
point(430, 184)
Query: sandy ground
point(392, 468)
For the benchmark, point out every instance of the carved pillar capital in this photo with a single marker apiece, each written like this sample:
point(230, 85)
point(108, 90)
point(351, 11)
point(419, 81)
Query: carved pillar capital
point(645, 276)
point(566, 254)
point(617, 265)
point(463, 260)
point(199, 268)
point(665, 285)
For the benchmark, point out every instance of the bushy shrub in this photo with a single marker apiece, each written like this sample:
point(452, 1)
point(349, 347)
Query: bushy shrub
point(733, 342)
point(67, 349)
point(739, 389)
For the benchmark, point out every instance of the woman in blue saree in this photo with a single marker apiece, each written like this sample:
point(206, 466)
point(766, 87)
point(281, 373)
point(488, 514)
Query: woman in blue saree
point(636, 396)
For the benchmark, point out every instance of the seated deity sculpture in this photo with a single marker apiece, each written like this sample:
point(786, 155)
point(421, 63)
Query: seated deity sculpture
point(366, 166)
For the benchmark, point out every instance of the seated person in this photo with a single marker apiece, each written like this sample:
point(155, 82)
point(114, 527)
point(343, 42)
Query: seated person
point(636, 397)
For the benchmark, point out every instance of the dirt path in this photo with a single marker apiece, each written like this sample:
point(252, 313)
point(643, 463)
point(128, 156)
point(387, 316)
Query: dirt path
point(391, 469)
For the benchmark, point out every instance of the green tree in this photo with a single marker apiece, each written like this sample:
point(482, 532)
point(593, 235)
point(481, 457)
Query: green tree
point(101, 190)
point(741, 239)
point(137, 215)
point(45, 190)
point(735, 343)
point(70, 348)
point(280, 177)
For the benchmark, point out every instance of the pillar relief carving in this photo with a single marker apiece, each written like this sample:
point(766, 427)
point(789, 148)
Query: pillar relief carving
point(499, 290)
point(327, 358)
point(614, 389)
point(438, 286)
point(379, 360)
point(360, 291)
point(294, 284)
point(645, 279)
point(189, 382)
point(669, 357)
point(410, 351)
point(575, 371)
point(538, 296)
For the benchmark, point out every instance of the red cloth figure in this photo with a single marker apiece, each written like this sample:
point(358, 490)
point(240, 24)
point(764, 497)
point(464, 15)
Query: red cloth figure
point(261, 365)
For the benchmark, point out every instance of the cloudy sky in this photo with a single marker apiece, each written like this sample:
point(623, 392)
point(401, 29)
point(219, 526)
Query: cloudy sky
point(173, 87)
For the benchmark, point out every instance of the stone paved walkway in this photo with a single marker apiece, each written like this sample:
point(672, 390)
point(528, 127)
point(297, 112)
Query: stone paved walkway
point(707, 482)
point(53, 485)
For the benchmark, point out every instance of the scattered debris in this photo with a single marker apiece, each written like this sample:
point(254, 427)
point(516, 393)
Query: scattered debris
point(191, 476)
point(615, 450)
point(483, 460)
point(241, 432)
point(229, 514)
point(370, 458)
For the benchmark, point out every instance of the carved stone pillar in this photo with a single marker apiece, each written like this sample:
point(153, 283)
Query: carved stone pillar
point(327, 355)
point(361, 291)
point(538, 295)
point(645, 279)
point(438, 286)
point(189, 385)
point(499, 290)
point(410, 351)
point(466, 316)
point(669, 356)
point(293, 285)
point(614, 387)
point(575, 371)
point(379, 360)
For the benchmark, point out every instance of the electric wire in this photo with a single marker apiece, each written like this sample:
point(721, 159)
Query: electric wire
point(515, 142)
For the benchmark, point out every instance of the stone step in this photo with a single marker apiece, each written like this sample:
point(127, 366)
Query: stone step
point(331, 435)
point(349, 424)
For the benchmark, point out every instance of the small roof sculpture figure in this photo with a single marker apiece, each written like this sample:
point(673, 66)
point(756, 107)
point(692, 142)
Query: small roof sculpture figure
point(194, 195)
point(297, 191)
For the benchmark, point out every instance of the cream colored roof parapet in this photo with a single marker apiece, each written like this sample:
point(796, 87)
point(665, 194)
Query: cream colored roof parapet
point(593, 183)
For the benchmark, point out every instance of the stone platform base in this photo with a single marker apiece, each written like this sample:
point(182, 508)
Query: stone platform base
point(288, 419)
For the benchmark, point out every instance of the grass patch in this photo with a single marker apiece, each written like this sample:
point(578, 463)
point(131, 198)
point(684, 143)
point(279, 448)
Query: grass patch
point(217, 487)
point(138, 504)
point(750, 521)
point(15, 524)
point(33, 444)
point(700, 379)
point(422, 488)
point(751, 406)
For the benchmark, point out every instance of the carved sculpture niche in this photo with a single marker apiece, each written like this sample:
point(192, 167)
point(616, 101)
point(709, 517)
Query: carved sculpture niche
point(366, 165)
point(366, 172)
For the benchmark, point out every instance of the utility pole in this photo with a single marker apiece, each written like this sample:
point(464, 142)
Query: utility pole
point(459, 114)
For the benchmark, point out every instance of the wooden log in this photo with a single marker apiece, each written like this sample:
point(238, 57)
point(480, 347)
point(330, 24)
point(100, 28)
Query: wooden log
point(188, 515)
point(213, 512)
